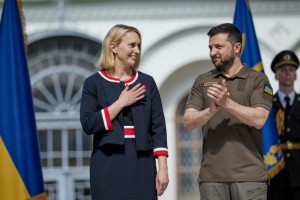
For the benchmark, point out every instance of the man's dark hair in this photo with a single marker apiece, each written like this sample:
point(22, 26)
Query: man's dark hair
point(234, 34)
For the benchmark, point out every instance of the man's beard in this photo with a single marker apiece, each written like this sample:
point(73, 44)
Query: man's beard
point(225, 64)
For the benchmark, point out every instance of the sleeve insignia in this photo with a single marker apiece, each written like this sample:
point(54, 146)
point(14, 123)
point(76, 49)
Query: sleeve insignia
point(268, 89)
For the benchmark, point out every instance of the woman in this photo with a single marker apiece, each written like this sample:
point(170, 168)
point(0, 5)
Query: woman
point(122, 109)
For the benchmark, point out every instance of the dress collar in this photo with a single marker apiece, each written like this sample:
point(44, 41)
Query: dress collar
point(129, 81)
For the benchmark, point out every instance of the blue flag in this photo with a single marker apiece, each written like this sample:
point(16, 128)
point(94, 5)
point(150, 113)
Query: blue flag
point(251, 55)
point(20, 165)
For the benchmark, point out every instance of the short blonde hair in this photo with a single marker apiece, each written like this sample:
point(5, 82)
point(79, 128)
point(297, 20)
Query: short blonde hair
point(115, 34)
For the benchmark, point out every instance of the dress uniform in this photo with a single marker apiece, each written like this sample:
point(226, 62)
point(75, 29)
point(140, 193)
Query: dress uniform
point(287, 107)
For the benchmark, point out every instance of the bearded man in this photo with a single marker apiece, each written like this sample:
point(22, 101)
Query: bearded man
point(231, 103)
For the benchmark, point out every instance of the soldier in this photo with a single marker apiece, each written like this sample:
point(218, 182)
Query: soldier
point(286, 184)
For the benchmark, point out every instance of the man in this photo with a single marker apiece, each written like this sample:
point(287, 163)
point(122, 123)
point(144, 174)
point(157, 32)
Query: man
point(286, 184)
point(231, 103)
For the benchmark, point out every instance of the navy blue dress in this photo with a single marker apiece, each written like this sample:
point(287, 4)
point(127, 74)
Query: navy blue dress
point(122, 169)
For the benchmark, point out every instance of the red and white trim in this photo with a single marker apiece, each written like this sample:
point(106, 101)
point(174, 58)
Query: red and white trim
point(132, 79)
point(129, 132)
point(160, 151)
point(108, 77)
point(106, 119)
point(129, 81)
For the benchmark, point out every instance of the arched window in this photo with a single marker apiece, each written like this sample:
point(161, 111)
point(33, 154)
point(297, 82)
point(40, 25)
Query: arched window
point(189, 155)
point(58, 66)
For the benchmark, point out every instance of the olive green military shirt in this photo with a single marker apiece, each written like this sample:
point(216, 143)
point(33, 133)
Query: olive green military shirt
point(232, 151)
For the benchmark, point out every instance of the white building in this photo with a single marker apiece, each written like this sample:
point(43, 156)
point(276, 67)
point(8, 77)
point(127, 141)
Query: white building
point(64, 44)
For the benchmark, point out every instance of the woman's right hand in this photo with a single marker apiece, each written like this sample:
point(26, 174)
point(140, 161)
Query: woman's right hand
point(129, 97)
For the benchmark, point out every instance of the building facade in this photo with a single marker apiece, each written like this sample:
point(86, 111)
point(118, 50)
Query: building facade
point(64, 44)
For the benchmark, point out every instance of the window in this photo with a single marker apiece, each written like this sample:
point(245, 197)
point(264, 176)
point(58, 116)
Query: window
point(64, 148)
point(82, 190)
point(58, 67)
point(189, 155)
point(51, 189)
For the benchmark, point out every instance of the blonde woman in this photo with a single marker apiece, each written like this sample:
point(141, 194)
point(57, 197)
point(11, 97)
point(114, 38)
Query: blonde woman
point(121, 107)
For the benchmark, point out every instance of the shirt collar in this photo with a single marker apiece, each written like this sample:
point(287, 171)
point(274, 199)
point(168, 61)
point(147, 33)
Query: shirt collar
point(243, 73)
point(281, 96)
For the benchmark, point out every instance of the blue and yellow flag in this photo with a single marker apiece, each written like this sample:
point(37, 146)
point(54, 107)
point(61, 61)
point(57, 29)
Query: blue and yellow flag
point(251, 55)
point(20, 165)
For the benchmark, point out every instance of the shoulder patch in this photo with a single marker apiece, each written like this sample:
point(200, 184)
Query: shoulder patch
point(268, 89)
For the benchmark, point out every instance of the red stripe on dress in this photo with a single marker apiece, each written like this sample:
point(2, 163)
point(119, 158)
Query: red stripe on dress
point(131, 79)
point(161, 151)
point(129, 132)
point(107, 119)
point(108, 76)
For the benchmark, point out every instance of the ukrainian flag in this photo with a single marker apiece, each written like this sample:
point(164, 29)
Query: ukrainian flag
point(20, 166)
point(251, 55)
